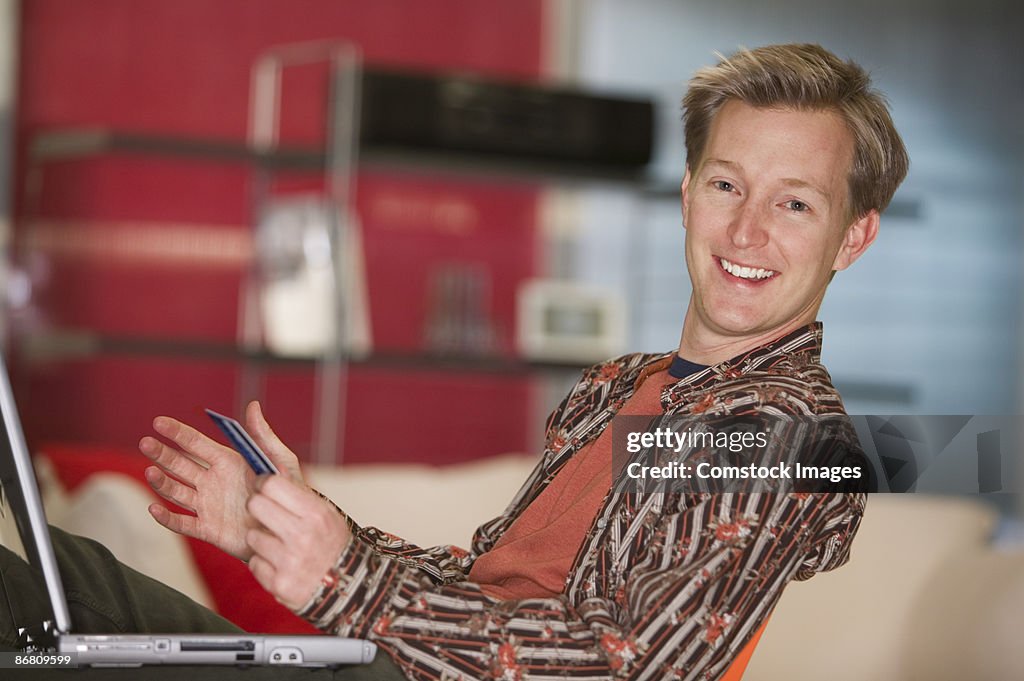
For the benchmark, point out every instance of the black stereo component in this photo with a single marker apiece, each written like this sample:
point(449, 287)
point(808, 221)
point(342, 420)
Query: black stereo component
point(456, 113)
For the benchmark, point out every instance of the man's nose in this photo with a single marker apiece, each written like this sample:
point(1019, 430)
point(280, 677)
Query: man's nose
point(748, 228)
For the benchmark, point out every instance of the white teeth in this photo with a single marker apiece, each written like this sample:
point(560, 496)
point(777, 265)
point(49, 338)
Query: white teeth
point(745, 272)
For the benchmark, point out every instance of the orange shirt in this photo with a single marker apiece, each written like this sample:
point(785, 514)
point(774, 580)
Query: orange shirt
point(533, 558)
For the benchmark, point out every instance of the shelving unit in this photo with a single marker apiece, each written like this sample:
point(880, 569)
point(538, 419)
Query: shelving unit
point(84, 143)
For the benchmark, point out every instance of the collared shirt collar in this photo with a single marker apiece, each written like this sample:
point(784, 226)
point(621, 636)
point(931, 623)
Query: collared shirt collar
point(804, 341)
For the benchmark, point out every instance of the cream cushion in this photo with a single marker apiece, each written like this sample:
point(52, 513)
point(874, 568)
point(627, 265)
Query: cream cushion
point(427, 505)
point(859, 622)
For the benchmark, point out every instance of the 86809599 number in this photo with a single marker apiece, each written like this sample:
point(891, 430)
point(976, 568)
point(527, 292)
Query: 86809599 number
point(11, 660)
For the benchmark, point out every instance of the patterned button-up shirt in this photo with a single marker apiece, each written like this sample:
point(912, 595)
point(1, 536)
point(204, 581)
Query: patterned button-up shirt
point(666, 585)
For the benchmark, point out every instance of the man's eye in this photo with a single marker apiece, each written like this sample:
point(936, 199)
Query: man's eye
point(723, 185)
point(797, 206)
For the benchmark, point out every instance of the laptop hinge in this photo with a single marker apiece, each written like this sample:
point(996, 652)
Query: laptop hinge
point(38, 639)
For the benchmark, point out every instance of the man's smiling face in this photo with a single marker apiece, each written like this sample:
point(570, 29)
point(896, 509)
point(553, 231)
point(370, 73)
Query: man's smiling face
point(767, 221)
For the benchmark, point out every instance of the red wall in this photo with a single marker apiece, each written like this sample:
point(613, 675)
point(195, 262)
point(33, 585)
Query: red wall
point(155, 249)
point(183, 66)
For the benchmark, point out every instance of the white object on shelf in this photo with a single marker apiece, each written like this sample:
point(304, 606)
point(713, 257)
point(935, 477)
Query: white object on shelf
point(297, 287)
point(567, 321)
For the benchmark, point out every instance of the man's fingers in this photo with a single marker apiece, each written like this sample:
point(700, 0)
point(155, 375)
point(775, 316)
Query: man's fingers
point(170, 489)
point(175, 522)
point(301, 537)
point(263, 571)
point(190, 440)
point(260, 428)
point(177, 463)
point(288, 578)
point(273, 515)
point(267, 439)
point(265, 545)
point(297, 500)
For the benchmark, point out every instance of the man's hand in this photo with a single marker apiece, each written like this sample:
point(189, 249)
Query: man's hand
point(211, 480)
point(300, 538)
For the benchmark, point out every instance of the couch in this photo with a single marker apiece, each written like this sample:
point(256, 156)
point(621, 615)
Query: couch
point(924, 596)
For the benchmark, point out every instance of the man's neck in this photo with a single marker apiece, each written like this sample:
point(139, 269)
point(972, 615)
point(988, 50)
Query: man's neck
point(704, 347)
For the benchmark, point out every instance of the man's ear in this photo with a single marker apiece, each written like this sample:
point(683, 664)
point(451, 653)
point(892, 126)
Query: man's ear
point(685, 196)
point(859, 235)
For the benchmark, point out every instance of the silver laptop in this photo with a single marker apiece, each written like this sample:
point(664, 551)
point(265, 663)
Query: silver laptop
point(23, 530)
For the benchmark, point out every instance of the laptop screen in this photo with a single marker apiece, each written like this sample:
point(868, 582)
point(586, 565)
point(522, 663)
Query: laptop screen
point(23, 527)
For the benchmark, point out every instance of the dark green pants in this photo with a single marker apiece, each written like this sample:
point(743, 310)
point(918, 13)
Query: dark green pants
point(107, 597)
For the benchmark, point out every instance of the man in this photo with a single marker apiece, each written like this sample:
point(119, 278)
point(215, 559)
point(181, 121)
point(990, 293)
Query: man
point(790, 160)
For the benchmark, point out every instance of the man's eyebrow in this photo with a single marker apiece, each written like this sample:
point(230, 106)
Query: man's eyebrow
point(720, 162)
point(803, 184)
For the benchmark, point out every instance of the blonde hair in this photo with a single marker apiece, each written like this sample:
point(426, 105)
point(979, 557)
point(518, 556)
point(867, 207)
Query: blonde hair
point(804, 77)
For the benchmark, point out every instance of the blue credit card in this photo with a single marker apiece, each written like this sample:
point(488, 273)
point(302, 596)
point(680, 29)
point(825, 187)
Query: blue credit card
point(243, 443)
